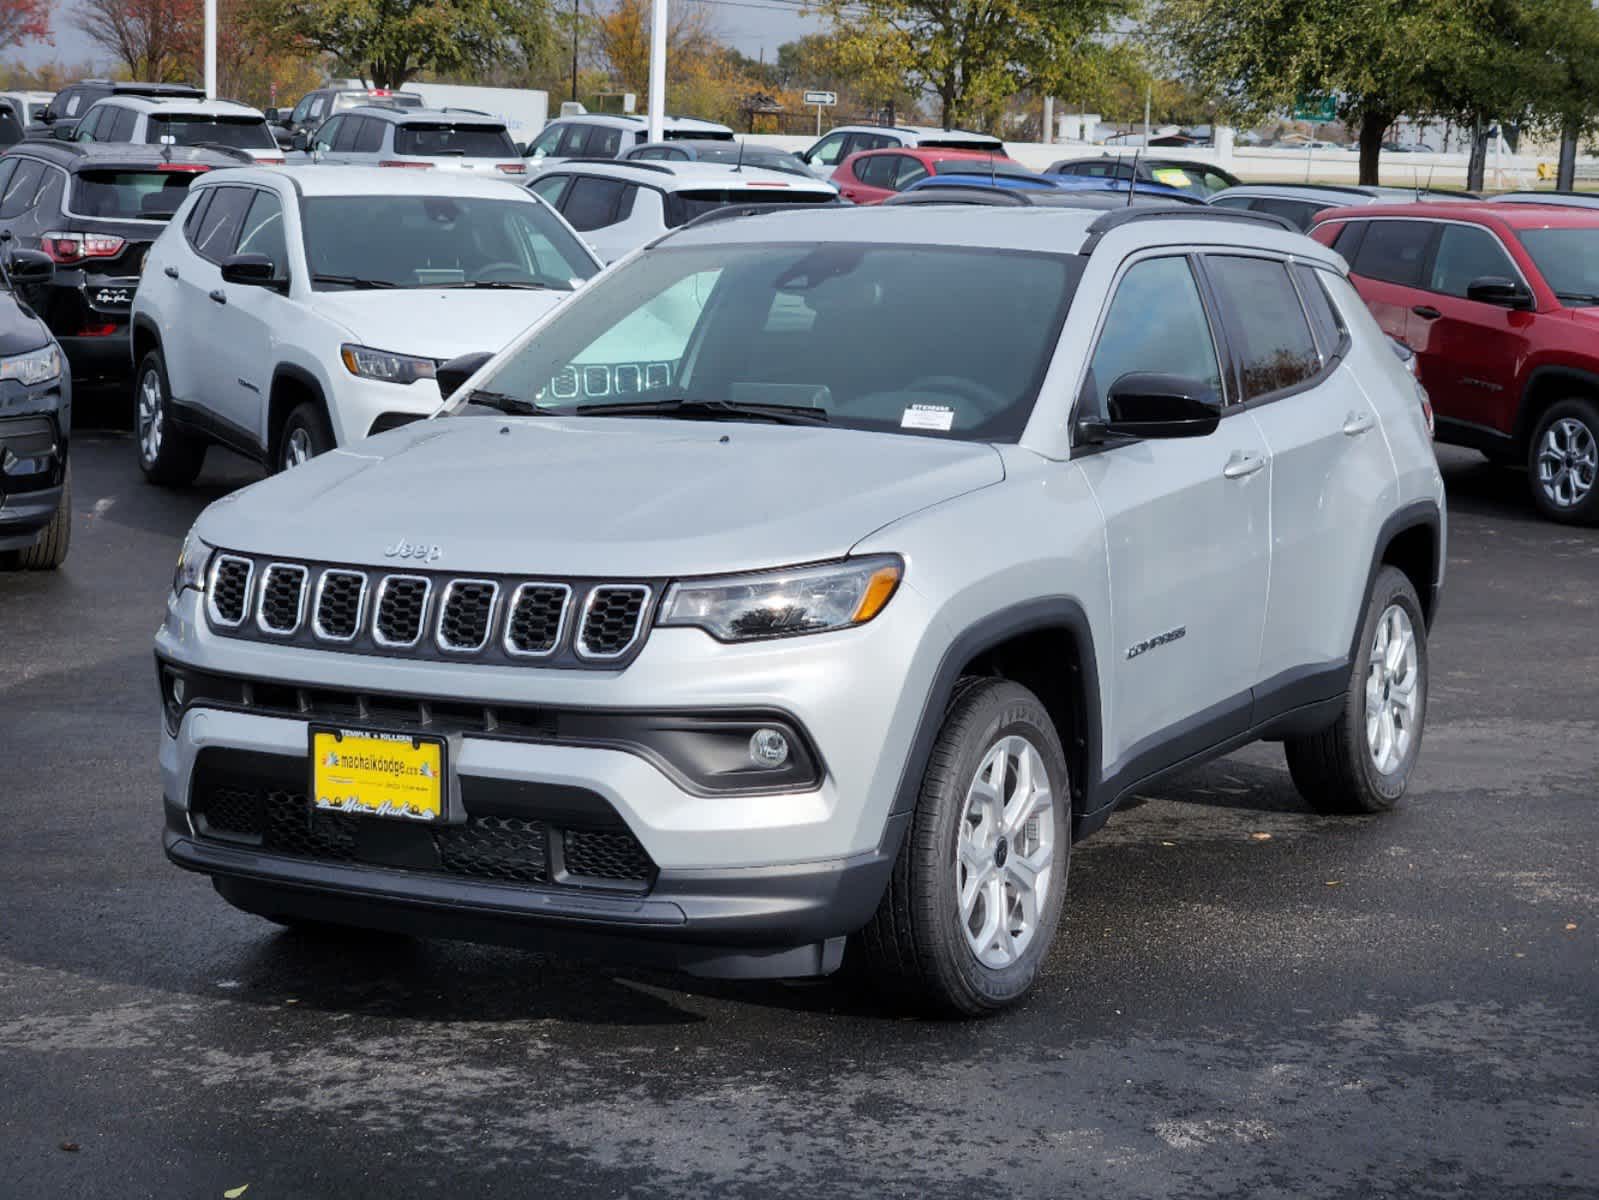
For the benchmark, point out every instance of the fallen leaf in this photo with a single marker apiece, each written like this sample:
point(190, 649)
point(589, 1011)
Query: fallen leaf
point(235, 1193)
point(70, 1147)
point(1570, 925)
point(1174, 843)
point(1335, 883)
point(1261, 837)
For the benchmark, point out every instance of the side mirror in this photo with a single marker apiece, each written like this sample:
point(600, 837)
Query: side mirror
point(300, 141)
point(65, 131)
point(1496, 289)
point(29, 267)
point(452, 374)
point(250, 270)
point(271, 114)
point(1147, 405)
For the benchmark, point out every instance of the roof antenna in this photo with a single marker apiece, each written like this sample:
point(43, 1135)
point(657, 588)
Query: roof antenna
point(739, 166)
point(1132, 180)
point(992, 182)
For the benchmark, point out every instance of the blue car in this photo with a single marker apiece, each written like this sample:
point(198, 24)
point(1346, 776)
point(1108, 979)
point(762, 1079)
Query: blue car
point(1053, 185)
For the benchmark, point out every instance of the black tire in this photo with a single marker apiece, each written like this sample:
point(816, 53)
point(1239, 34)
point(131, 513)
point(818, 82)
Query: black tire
point(50, 551)
point(168, 456)
point(307, 419)
point(1567, 492)
point(1335, 770)
point(916, 944)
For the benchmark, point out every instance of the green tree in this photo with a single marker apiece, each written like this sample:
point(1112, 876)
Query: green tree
point(972, 54)
point(1381, 59)
point(392, 41)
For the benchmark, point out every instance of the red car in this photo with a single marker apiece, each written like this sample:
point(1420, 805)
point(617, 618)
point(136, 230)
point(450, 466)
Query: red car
point(1500, 302)
point(872, 176)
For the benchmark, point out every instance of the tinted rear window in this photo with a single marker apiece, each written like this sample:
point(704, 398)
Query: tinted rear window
point(709, 135)
point(703, 200)
point(130, 195)
point(241, 133)
point(959, 144)
point(467, 141)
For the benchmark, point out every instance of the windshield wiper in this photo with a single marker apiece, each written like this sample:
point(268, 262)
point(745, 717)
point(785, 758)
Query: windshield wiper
point(500, 283)
point(354, 281)
point(782, 414)
point(505, 403)
point(1578, 297)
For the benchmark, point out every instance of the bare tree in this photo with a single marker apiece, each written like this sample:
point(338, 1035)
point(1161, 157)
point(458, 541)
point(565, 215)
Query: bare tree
point(155, 40)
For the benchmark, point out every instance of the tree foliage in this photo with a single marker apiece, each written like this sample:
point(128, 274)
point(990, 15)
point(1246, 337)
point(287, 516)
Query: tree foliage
point(391, 41)
point(23, 20)
point(975, 55)
point(156, 40)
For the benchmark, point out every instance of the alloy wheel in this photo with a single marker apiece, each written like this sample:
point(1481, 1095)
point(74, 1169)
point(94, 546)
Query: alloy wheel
point(1393, 690)
point(150, 415)
point(297, 447)
point(1005, 852)
point(1568, 461)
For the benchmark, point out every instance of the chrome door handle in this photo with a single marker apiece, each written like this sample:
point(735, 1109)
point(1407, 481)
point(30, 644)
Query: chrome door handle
point(170, 272)
point(1357, 423)
point(1243, 463)
point(219, 296)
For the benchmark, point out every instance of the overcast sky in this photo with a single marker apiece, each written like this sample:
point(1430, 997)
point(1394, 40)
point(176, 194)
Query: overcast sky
point(750, 25)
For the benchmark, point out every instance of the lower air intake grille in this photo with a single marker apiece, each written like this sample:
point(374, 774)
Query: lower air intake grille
point(282, 598)
point(230, 589)
point(340, 598)
point(538, 610)
point(402, 601)
point(604, 854)
point(611, 620)
point(514, 849)
point(465, 614)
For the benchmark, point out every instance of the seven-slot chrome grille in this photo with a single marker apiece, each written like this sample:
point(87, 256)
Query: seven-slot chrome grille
point(593, 623)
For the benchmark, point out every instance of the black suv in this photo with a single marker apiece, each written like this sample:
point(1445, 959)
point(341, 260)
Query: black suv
point(60, 118)
point(316, 107)
point(35, 423)
point(93, 208)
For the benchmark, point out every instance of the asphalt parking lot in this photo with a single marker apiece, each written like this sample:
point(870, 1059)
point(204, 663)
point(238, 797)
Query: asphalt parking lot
point(1247, 999)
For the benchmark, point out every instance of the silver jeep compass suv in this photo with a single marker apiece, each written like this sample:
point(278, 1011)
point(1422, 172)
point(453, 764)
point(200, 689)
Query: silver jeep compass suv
point(815, 577)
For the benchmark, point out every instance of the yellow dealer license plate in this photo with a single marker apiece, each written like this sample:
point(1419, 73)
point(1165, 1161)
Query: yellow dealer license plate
point(378, 774)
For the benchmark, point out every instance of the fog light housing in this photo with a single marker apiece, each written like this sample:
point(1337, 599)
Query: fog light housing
point(173, 693)
point(768, 748)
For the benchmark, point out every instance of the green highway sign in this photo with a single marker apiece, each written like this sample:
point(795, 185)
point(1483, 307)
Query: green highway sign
point(1317, 109)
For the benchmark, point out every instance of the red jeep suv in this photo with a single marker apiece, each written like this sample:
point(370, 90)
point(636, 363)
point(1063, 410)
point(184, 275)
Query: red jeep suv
point(1500, 302)
point(872, 176)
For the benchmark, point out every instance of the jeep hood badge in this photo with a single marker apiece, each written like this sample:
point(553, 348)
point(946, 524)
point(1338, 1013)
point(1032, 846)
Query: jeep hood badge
point(421, 551)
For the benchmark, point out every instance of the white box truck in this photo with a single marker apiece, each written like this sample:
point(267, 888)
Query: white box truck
point(523, 110)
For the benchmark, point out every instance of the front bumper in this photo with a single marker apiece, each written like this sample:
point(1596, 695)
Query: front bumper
point(740, 883)
point(35, 428)
point(358, 404)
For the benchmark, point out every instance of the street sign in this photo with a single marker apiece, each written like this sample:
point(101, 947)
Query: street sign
point(822, 99)
point(1318, 110)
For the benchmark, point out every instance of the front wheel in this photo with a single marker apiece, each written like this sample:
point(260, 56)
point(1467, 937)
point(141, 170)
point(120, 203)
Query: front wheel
point(167, 455)
point(1361, 763)
point(1563, 462)
point(50, 551)
point(978, 888)
point(306, 434)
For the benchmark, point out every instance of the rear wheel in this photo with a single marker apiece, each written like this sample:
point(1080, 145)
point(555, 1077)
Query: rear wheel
point(167, 455)
point(50, 551)
point(976, 894)
point(306, 434)
point(1563, 462)
point(1362, 762)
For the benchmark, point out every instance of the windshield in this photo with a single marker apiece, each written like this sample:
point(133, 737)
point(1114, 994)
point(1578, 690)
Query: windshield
point(1199, 179)
point(981, 166)
point(1568, 259)
point(241, 133)
point(875, 337)
point(131, 195)
point(466, 141)
point(438, 241)
point(345, 101)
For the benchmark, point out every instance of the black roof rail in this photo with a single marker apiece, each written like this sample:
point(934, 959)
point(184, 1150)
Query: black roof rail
point(1352, 189)
point(1127, 216)
point(993, 197)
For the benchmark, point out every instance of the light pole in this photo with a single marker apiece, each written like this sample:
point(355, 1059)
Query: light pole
point(211, 49)
point(576, 18)
point(657, 70)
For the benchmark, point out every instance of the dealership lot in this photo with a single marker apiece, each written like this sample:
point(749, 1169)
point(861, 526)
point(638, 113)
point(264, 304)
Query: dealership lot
point(1246, 998)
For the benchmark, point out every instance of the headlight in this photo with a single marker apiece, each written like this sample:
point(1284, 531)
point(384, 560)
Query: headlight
point(385, 365)
point(36, 366)
point(742, 608)
point(192, 562)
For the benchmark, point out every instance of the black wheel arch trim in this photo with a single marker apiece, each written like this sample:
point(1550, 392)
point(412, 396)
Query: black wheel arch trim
point(1032, 616)
point(1419, 514)
point(1526, 424)
point(302, 378)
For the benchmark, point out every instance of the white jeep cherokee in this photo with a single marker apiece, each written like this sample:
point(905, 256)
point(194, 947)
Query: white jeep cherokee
point(271, 311)
point(817, 575)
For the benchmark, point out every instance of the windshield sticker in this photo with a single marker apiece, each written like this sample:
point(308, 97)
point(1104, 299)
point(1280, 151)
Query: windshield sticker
point(928, 416)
